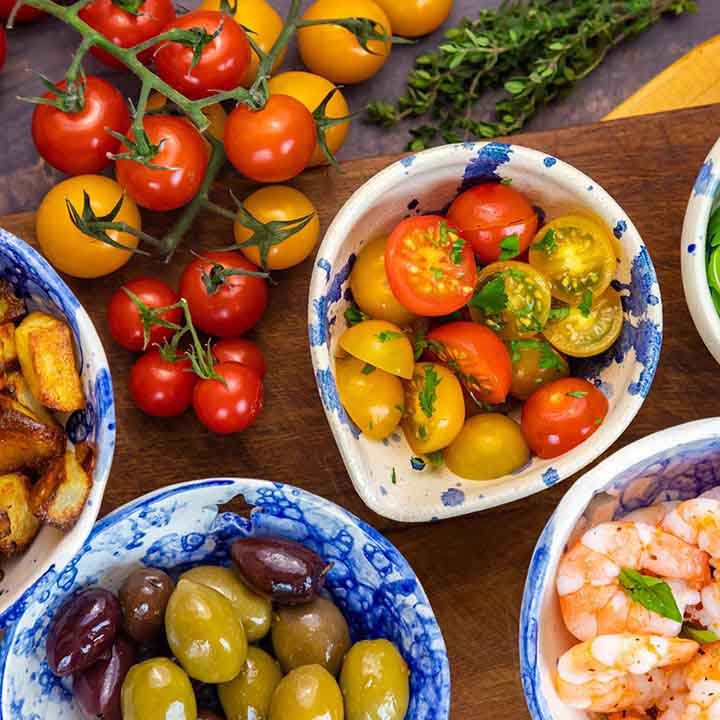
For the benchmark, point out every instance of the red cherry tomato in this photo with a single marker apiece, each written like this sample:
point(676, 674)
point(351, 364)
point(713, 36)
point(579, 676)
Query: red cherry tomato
point(242, 351)
point(126, 29)
point(77, 143)
point(230, 407)
point(124, 319)
point(24, 14)
point(488, 214)
point(182, 151)
point(223, 62)
point(478, 356)
point(431, 270)
point(235, 306)
point(560, 415)
point(161, 388)
point(273, 144)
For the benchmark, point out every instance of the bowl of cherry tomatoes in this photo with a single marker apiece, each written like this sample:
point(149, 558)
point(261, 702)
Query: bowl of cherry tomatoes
point(485, 321)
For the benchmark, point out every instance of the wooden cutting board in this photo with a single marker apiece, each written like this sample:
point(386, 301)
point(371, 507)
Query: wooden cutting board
point(473, 568)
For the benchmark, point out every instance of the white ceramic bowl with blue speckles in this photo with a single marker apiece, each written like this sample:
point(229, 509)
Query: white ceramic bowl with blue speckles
point(42, 288)
point(675, 464)
point(693, 251)
point(179, 526)
point(382, 472)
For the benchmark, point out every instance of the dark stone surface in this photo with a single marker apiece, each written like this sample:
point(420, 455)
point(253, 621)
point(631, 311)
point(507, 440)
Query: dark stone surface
point(47, 47)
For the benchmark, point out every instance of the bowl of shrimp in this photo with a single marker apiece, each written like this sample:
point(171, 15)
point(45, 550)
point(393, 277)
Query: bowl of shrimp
point(621, 612)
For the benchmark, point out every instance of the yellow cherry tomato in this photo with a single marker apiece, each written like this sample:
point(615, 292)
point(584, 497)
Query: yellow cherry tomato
point(371, 397)
point(581, 331)
point(381, 344)
point(489, 446)
point(370, 286)
point(434, 408)
point(215, 114)
point(576, 255)
point(280, 202)
point(413, 18)
point(311, 90)
point(70, 250)
point(334, 52)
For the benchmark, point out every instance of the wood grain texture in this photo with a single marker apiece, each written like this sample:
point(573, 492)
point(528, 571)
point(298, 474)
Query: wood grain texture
point(473, 568)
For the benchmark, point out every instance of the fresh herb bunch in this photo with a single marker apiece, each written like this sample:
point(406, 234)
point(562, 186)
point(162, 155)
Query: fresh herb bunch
point(533, 50)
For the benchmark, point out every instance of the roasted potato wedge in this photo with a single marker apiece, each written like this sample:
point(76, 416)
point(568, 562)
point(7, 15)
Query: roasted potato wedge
point(8, 350)
point(27, 442)
point(18, 524)
point(45, 350)
point(59, 496)
point(11, 306)
point(17, 387)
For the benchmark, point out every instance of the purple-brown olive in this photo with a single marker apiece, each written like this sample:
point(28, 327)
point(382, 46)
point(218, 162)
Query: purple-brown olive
point(143, 597)
point(97, 689)
point(284, 570)
point(82, 630)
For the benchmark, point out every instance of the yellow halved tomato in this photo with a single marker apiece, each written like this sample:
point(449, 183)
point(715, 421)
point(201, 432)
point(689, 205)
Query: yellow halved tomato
point(434, 408)
point(215, 114)
point(489, 446)
point(370, 286)
point(512, 298)
point(381, 344)
point(280, 202)
point(576, 255)
point(371, 397)
point(585, 331)
point(413, 18)
point(311, 90)
point(70, 250)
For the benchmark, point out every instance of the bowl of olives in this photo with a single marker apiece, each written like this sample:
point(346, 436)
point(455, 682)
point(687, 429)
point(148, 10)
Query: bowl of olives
point(293, 610)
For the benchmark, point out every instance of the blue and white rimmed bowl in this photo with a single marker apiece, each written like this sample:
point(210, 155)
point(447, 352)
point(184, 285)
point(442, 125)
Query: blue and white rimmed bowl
point(703, 199)
point(42, 289)
point(178, 526)
point(382, 473)
point(675, 464)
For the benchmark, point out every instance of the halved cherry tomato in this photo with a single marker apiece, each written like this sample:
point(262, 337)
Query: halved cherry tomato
point(26, 13)
point(381, 344)
point(127, 24)
point(434, 408)
point(273, 144)
point(223, 61)
point(585, 331)
point(534, 363)
point(242, 351)
point(371, 397)
point(161, 388)
point(489, 446)
point(560, 415)
point(512, 298)
point(576, 255)
point(231, 406)
point(477, 355)
point(124, 319)
point(79, 142)
point(430, 267)
point(490, 214)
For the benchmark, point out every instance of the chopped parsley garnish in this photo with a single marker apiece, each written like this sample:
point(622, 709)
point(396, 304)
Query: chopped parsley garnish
point(354, 315)
point(456, 252)
point(517, 345)
point(422, 432)
point(549, 359)
point(559, 313)
point(443, 233)
point(650, 592)
point(393, 477)
point(586, 303)
point(577, 394)
point(509, 247)
point(400, 409)
point(387, 335)
point(491, 298)
point(428, 394)
point(437, 273)
point(506, 181)
point(598, 421)
point(367, 369)
point(423, 342)
point(547, 244)
point(435, 458)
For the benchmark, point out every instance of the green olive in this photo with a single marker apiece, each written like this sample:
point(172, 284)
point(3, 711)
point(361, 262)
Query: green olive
point(375, 682)
point(248, 696)
point(307, 693)
point(312, 634)
point(253, 610)
point(204, 633)
point(157, 689)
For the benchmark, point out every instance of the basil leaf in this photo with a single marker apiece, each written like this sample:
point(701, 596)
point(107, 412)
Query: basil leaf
point(699, 635)
point(650, 592)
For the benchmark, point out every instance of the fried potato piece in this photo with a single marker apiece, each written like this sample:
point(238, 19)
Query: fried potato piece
point(45, 350)
point(18, 524)
point(11, 306)
point(17, 387)
point(27, 442)
point(59, 496)
point(8, 350)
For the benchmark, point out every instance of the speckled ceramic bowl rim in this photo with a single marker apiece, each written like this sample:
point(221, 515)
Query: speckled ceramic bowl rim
point(556, 533)
point(693, 248)
point(568, 464)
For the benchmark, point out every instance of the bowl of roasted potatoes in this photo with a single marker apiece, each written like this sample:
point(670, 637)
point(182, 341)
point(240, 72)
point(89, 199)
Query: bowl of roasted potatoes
point(57, 421)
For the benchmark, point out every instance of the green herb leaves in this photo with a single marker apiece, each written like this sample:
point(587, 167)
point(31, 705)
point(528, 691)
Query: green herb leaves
point(456, 252)
point(559, 313)
point(580, 394)
point(650, 592)
point(699, 635)
point(387, 335)
point(586, 303)
point(509, 247)
point(491, 298)
point(427, 397)
point(367, 369)
point(547, 244)
point(354, 315)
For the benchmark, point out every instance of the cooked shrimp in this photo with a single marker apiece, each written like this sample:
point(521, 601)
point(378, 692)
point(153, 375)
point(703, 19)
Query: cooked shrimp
point(697, 522)
point(707, 613)
point(619, 672)
point(627, 715)
point(702, 676)
point(653, 514)
point(592, 600)
point(671, 705)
